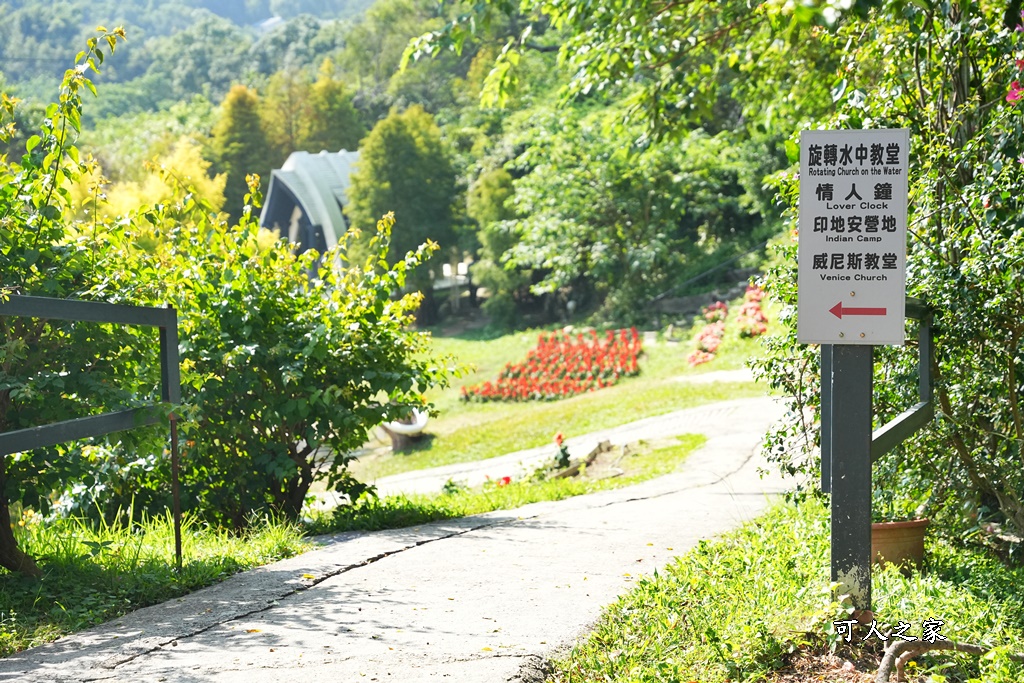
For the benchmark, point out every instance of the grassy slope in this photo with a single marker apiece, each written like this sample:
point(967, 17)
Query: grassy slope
point(737, 608)
point(648, 462)
point(466, 432)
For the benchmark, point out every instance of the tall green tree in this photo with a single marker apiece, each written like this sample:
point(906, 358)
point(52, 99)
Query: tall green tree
point(333, 123)
point(240, 145)
point(675, 65)
point(608, 225)
point(405, 168)
point(303, 115)
point(949, 72)
point(285, 112)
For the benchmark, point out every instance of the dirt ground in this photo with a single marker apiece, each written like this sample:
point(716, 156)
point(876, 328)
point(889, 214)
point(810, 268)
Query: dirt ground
point(811, 667)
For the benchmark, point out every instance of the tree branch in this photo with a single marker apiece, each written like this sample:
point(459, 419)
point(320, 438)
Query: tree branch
point(536, 47)
point(899, 652)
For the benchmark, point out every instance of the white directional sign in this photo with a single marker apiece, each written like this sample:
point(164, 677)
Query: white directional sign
point(853, 236)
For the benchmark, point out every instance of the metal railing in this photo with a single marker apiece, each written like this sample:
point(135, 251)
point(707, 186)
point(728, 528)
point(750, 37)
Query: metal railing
point(904, 425)
point(166, 319)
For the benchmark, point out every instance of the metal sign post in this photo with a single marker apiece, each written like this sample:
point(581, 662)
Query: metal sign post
point(851, 381)
point(851, 297)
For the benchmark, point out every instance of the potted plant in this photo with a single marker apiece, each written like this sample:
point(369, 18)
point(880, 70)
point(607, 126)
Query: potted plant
point(897, 525)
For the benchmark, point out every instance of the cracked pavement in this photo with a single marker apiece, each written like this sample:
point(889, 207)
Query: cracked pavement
point(485, 598)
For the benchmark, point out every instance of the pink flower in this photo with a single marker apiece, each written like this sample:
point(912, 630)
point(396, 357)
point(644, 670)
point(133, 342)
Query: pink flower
point(1013, 96)
point(699, 357)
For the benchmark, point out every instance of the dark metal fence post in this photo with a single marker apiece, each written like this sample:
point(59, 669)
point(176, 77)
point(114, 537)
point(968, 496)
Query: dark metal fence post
point(170, 379)
point(851, 471)
point(825, 434)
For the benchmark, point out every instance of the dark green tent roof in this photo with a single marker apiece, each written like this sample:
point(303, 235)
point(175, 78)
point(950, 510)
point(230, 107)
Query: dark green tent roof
point(316, 185)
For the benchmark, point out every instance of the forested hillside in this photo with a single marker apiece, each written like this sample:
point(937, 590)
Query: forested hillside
point(175, 48)
point(553, 198)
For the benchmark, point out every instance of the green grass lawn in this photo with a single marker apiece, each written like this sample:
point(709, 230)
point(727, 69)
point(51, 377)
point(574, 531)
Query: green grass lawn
point(645, 462)
point(95, 573)
point(468, 431)
point(741, 607)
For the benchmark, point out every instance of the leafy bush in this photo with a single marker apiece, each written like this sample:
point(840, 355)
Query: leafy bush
point(287, 361)
point(965, 255)
point(288, 372)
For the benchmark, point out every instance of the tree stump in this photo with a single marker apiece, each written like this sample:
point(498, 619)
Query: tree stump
point(401, 442)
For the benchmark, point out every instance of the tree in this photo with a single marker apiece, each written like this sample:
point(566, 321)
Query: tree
point(309, 116)
point(124, 144)
point(404, 168)
point(281, 354)
point(949, 74)
point(284, 112)
point(298, 43)
point(676, 64)
point(240, 145)
point(372, 53)
point(334, 123)
point(609, 226)
point(374, 44)
point(488, 203)
point(205, 58)
point(184, 164)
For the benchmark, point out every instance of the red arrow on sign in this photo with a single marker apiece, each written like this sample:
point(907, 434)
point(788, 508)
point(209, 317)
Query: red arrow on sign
point(838, 311)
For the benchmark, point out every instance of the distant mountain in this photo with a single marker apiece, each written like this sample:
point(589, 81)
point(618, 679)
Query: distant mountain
point(38, 38)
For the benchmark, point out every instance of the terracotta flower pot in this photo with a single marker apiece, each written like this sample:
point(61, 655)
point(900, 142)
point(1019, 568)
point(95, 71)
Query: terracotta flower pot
point(901, 543)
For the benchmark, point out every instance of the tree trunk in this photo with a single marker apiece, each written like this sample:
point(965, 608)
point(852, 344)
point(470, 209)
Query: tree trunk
point(294, 495)
point(426, 314)
point(12, 557)
point(401, 442)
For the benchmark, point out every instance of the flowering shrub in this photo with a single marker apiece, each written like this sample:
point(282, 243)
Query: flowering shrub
point(751, 319)
point(699, 357)
point(563, 365)
point(710, 337)
point(716, 312)
point(1013, 95)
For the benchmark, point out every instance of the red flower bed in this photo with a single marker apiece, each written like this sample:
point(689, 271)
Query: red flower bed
point(563, 365)
point(710, 337)
point(751, 319)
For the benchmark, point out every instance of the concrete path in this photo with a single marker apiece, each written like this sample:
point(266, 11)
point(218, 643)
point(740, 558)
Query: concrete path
point(481, 599)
